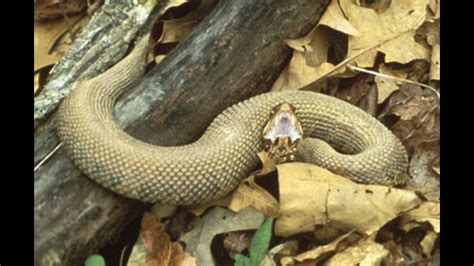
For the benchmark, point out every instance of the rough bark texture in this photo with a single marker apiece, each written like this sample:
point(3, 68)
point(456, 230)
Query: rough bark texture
point(103, 43)
point(236, 52)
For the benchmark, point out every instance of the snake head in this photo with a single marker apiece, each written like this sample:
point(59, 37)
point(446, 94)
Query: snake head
point(282, 133)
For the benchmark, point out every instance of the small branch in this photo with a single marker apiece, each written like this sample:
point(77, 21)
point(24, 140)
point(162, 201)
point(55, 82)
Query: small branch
point(354, 68)
point(48, 156)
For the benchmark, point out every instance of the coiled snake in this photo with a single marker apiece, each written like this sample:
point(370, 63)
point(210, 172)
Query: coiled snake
point(225, 154)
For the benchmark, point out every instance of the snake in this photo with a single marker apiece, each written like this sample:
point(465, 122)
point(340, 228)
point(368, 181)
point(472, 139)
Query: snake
point(338, 136)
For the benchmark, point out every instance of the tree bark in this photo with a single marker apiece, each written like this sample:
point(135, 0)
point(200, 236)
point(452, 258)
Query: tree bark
point(104, 42)
point(236, 52)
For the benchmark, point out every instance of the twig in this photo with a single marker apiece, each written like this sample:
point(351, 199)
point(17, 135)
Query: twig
point(122, 255)
point(47, 156)
point(394, 78)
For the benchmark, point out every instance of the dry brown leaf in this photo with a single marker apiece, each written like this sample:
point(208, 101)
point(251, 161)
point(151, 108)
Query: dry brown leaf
point(319, 253)
point(428, 243)
point(435, 63)
point(357, 89)
point(155, 248)
point(424, 178)
point(363, 253)
point(57, 9)
point(434, 7)
point(419, 115)
point(311, 196)
point(386, 86)
point(175, 30)
point(36, 82)
point(334, 18)
point(418, 128)
point(299, 74)
point(437, 169)
point(157, 58)
point(250, 193)
point(404, 49)
point(430, 32)
point(47, 34)
point(401, 18)
point(427, 212)
point(218, 221)
point(314, 46)
point(396, 252)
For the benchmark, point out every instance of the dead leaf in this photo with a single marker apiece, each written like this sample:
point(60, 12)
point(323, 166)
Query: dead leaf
point(400, 19)
point(36, 82)
point(365, 252)
point(312, 196)
point(218, 221)
point(154, 246)
point(404, 49)
point(357, 89)
point(437, 170)
point(418, 128)
point(319, 253)
point(157, 58)
point(334, 18)
point(175, 30)
point(47, 34)
point(299, 74)
point(430, 32)
point(435, 63)
point(249, 193)
point(387, 86)
point(314, 46)
point(424, 178)
point(419, 115)
point(55, 9)
point(428, 243)
point(426, 212)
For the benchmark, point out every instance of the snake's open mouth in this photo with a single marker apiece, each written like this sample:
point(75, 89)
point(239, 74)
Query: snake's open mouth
point(282, 133)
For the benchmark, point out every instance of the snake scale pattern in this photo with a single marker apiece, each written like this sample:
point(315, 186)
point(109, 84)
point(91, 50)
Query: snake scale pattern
point(214, 165)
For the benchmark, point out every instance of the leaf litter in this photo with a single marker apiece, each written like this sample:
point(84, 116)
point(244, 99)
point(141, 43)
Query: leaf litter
point(321, 217)
point(218, 221)
point(368, 54)
point(155, 248)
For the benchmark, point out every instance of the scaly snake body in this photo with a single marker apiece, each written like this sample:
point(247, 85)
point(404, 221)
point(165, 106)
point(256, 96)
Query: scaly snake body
point(225, 154)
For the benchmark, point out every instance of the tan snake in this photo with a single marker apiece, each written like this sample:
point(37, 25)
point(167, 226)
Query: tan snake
point(216, 163)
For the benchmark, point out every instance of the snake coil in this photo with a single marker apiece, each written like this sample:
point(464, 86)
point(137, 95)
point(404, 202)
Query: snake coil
point(365, 150)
